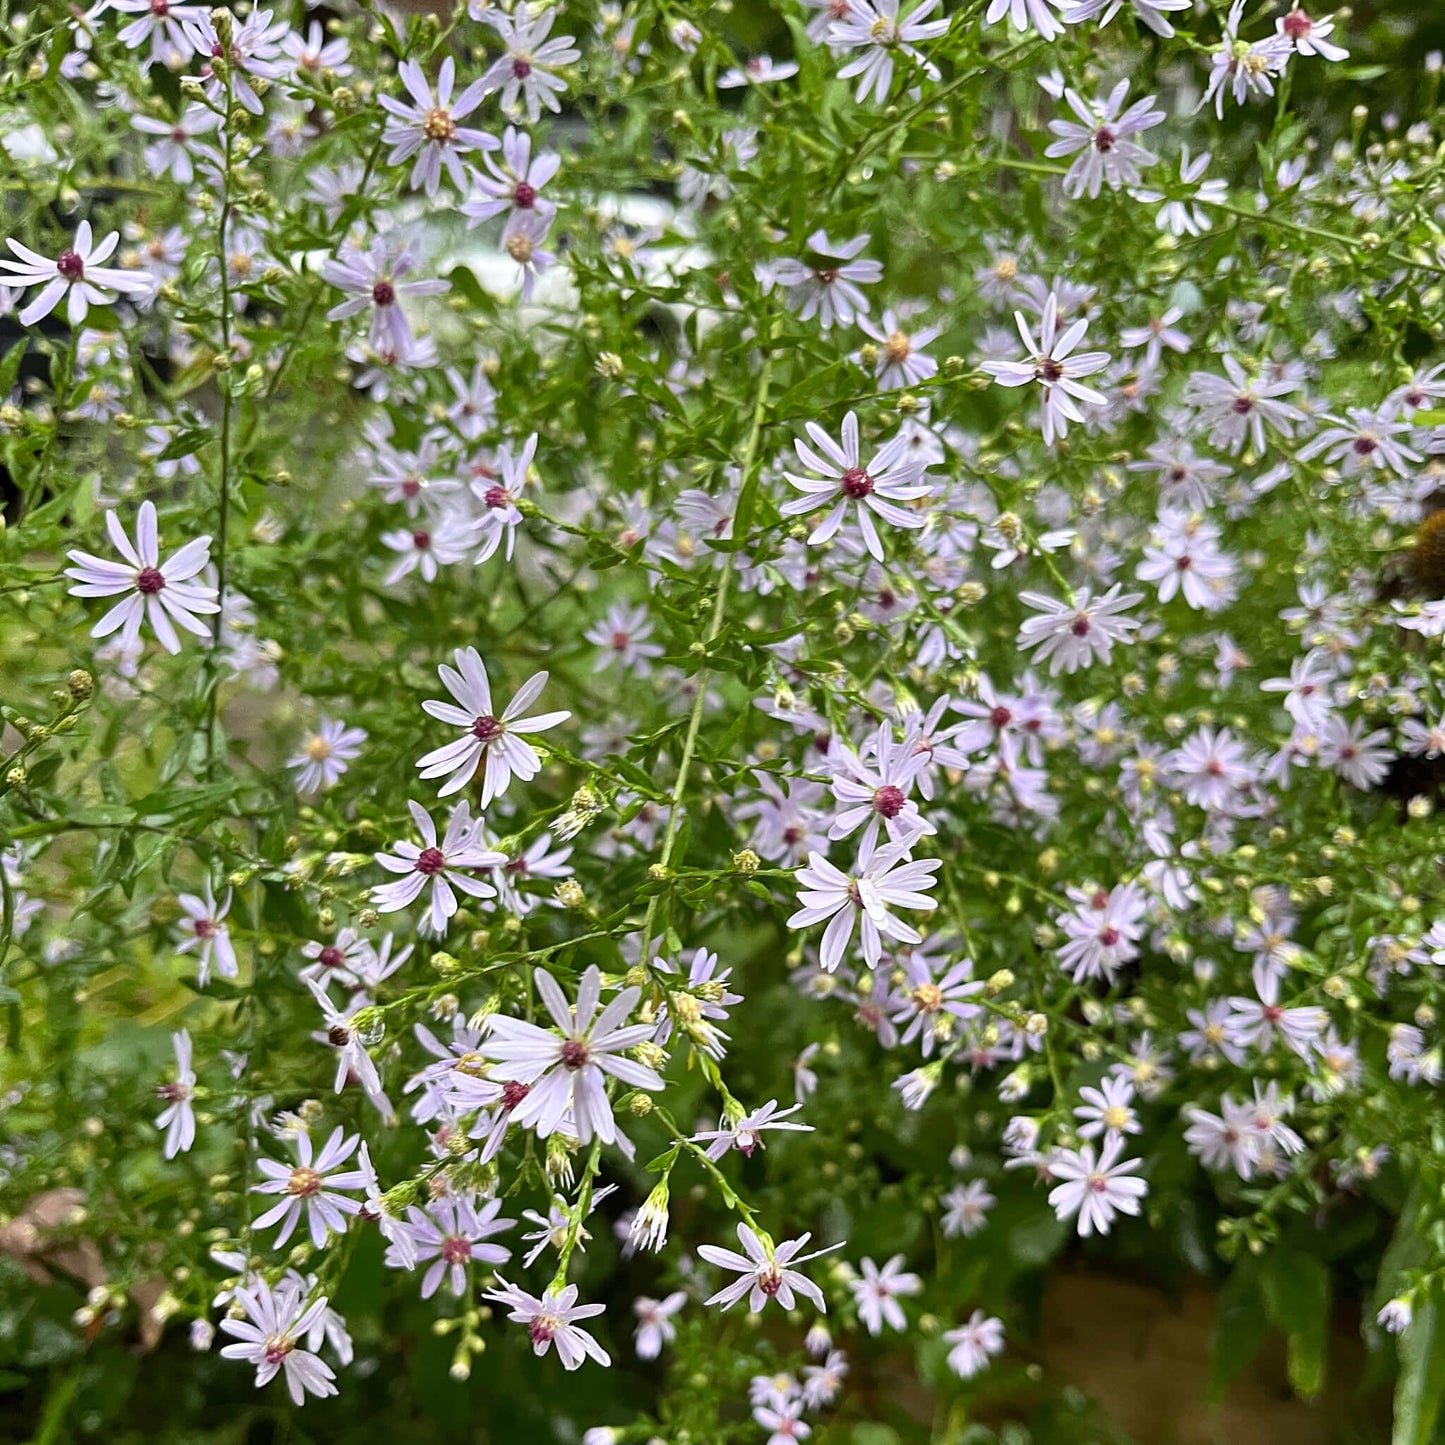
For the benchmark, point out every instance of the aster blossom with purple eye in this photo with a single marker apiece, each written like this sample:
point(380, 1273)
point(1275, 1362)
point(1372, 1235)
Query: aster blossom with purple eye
point(828, 289)
point(1095, 1187)
point(427, 127)
point(439, 864)
point(1102, 138)
point(373, 282)
point(766, 1271)
point(178, 1118)
point(1080, 632)
point(524, 74)
point(515, 186)
point(311, 1187)
point(253, 50)
point(158, 592)
point(883, 879)
point(1309, 36)
point(491, 741)
point(551, 1320)
point(973, 1344)
point(745, 1132)
point(163, 25)
point(451, 1233)
point(569, 1072)
point(271, 1337)
point(206, 931)
point(1236, 407)
point(877, 1291)
point(1056, 366)
point(498, 495)
point(871, 788)
point(875, 490)
point(78, 273)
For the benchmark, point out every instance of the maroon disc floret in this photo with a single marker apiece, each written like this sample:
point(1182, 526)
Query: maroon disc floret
point(384, 293)
point(574, 1054)
point(889, 800)
point(486, 728)
point(430, 861)
point(856, 483)
point(524, 197)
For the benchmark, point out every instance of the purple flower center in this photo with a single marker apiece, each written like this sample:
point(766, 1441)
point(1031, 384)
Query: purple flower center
point(1050, 370)
point(770, 1280)
point(521, 68)
point(384, 293)
point(1108, 937)
point(149, 581)
point(430, 861)
point(1243, 405)
point(856, 483)
point(455, 1249)
point(542, 1329)
point(205, 928)
point(826, 278)
point(1104, 140)
point(172, 1093)
point(889, 800)
point(513, 1092)
point(277, 1346)
point(496, 496)
point(524, 197)
point(1000, 717)
point(1297, 25)
point(575, 1055)
point(338, 1037)
point(1365, 446)
point(330, 956)
point(160, 8)
point(1080, 627)
point(421, 540)
point(486, 728)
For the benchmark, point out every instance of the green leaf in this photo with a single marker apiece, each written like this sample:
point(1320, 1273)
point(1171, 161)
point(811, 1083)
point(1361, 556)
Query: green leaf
point(1239, 1329)
point(1297, 1292)
point(1421, 1385)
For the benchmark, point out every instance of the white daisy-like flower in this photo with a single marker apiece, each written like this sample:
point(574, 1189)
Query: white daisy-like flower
point(568, 1071)
point(765, 1271)
point(439, 864)
point(160, 593)
point(311, 1187)
point(550, 1321)
point(427, 127)
point(77, 270)
point(875, 490)
point(271, 1338)
point(325, 754)
point(491, 742)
